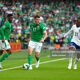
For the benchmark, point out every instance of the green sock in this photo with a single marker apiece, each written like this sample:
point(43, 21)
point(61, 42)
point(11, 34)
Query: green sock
point(38, 58)
point(30, 59)
point(5, 55)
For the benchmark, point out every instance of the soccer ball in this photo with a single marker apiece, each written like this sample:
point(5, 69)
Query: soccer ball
point(26, 66)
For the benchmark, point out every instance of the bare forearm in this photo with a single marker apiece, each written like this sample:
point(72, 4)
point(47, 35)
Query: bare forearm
point(45, 36)
point(29, 37)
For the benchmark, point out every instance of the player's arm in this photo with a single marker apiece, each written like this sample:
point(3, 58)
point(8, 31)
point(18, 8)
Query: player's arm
point(30, 33)
point(44, 32)
point(66, 34)
point(45, 36)
point(2, 33)
point(4, 26)
point(29, 37)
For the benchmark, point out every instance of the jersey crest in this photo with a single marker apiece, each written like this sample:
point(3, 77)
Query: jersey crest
point(4, 26)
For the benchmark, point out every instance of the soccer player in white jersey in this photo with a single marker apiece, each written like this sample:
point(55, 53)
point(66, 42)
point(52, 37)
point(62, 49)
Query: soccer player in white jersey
point(75, 43)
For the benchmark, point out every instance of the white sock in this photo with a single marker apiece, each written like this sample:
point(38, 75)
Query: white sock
point(70, 60)
point(76, 60)
point(30, 65)
point(70, 57)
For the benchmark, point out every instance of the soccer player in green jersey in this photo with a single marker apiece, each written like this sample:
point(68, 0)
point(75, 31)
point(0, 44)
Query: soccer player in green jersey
point(6, 30)
point(1, 38)
point(37, 37)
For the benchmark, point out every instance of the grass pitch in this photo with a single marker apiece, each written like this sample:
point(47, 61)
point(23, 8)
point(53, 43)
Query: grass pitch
point(55, 70)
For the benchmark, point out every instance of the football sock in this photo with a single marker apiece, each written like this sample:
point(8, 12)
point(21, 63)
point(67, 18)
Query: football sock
point(76, 61)
point(4, 56)
point(30, 59)
point(70, 60)
point(70, 57)
point(38, 58)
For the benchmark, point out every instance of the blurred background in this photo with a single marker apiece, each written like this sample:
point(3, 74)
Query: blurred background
point(57, 15)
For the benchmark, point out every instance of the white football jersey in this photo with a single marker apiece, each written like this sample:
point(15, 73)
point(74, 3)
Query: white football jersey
point(76, 35)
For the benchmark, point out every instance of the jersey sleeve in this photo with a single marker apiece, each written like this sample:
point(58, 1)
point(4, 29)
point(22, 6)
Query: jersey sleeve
point(2, 33)
point(69, 31)
point(4, 26)
point(43, 28)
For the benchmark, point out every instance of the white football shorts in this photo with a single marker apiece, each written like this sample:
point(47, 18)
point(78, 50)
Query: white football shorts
point(5, 45)
point(36, 45)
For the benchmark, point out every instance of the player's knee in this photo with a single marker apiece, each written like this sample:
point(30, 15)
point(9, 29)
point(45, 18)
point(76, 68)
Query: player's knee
point(29, 51)
point(9, 51)
point(37, 54)
point(72, 48)
point(1, 52)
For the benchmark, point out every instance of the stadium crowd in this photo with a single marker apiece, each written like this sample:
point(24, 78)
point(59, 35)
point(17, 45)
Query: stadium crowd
point(57, 15)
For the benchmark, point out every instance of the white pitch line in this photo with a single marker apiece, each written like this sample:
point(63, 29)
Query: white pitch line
point(33, 64)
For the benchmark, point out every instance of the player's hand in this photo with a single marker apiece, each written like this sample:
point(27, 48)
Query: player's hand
point(29, 39)
point(3, 41)
point(9, 40)
point(63, 37)
point(42, 41)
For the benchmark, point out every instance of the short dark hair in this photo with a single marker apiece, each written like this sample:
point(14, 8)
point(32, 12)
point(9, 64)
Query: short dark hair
point(37, 16)
point(9, 15)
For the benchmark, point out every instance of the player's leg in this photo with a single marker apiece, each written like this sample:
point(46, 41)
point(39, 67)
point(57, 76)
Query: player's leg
point(4, 56)
point(1, 52)
point(76, 60)
point(77, 56)
point(37, 52)
point(75, 63)
point(8, 51)
point(37, 59)
point(31, 47)
point(72, 48)
point(1, 47)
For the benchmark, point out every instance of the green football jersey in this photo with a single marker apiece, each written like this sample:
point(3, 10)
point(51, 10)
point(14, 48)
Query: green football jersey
point(37, 31)
point(7, 29)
